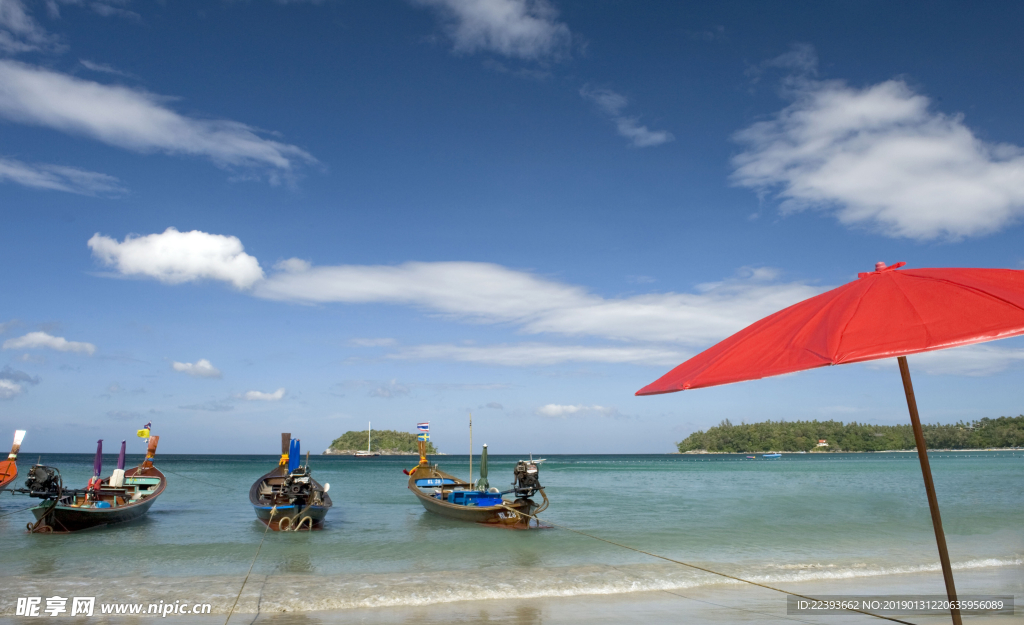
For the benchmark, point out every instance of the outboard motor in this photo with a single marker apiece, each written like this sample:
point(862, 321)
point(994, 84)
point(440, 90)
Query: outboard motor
point(527, 479)
point(297, 484)
point(43, 482)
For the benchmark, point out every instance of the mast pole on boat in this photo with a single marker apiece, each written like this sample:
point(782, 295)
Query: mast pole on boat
point(369, 432)
point(471, 449)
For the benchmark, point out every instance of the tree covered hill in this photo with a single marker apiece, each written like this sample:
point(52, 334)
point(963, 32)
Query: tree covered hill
point(383, 441)
point(804, 436)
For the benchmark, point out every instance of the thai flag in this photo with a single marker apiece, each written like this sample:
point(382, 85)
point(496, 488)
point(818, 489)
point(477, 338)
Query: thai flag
point(423, 427)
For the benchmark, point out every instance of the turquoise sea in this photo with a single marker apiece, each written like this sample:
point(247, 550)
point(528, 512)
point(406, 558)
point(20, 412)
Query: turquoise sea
point(799, 518)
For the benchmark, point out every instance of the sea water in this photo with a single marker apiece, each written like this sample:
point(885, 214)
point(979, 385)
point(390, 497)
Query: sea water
point(799, 518)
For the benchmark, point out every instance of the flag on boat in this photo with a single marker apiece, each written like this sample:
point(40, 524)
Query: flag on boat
point(144, 432)
point(424, 437)
point(423, 427)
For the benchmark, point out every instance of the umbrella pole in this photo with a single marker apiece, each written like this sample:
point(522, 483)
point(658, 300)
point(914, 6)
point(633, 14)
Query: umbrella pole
point(929, 486)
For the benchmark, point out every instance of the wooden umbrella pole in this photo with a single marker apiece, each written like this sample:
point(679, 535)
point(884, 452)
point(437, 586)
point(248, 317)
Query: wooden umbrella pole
point(929, 486)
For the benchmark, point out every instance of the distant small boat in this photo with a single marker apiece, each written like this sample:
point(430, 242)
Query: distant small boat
point(9, 467)
point(124, 496)
point(288, 498)
point(771, 456)
point(751, 457)
point(367, 453)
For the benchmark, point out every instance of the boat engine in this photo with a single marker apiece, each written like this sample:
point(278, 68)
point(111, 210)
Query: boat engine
point(527, 479)
point(43, 482)
point(297, 485)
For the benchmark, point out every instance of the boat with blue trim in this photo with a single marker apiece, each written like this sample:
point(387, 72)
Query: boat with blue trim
point(447, 495)
point(288, 498)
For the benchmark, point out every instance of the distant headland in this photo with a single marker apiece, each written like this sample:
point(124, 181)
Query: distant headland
point(383, 442)
point(832, 436)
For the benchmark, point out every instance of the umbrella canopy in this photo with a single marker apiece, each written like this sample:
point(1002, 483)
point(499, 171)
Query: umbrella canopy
point(885, 313)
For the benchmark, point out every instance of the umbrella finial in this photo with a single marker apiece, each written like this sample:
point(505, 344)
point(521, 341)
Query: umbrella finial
point(880, 267)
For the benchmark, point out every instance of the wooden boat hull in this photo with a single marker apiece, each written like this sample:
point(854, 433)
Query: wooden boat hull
point(8, 473)
point(289, 517)
point(503, 515)
point(60, 517)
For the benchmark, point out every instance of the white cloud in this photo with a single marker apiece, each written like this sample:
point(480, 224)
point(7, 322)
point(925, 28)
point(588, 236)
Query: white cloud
point(103, 68)
point(9, 389)
point(541, 354)
point(12, 382)
point(34, 340)
point(19, 32)
point(971, 360)
point(802, 59)
point(7, 325)
point(612, 105)
point(475, 292)
point(488, 293)
point(175, 257)
point(106, 9)
point(59, 178)
point(559, 410)
point(134, 119)
point(201, 369)
point(277, 395)
point(524, 29)
point(881, 157)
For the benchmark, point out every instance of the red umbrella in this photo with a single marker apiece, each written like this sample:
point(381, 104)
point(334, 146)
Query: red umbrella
point(885, 313)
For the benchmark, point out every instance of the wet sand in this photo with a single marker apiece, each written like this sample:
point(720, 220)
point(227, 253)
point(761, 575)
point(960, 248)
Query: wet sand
point(723, 603)
point(726, 603)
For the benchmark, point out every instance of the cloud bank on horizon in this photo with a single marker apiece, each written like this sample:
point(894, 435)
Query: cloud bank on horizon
point(663, 329)
point(473, 292)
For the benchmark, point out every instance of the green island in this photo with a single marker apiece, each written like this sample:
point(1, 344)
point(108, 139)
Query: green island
point(805, 436)
point(384, 442)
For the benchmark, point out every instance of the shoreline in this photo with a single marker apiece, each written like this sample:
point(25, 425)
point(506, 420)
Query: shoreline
point(711, 603)
point(719, 603)
point(380, 452)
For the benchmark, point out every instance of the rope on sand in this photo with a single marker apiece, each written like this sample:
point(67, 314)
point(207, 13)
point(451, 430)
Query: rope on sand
point(699, 568)
point(273, 511)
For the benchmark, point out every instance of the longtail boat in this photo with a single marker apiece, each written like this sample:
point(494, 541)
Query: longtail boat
point(447, 495)
point(9, 467)
point(288, 498)
point(124, 496)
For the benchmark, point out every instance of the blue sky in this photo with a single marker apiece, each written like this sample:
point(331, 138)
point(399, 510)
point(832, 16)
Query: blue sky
point(234, 218)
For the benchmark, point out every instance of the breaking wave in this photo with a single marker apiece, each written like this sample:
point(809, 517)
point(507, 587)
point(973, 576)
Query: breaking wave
point(303, 593)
